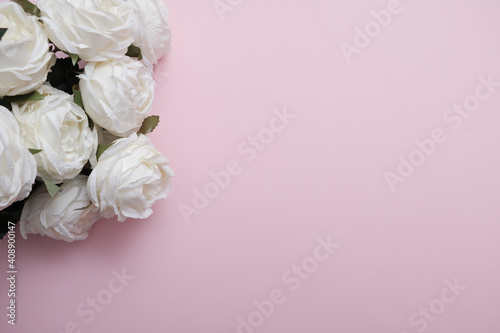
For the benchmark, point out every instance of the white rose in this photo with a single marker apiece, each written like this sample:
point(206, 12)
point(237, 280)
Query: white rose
point(67, 216)
point(129, 178)
point(117, 94)
point(95, 30)
point(17, 165)
point(152, 34)
point(24, 52)
point(58, 127)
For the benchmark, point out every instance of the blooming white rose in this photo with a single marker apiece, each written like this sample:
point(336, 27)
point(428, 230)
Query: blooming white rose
point(129, 178)
point(58, 127)
point(24, 51)
point(67, 216)
point(17, 165)
point(152, 34)
point(95, 30)
point(117, 94)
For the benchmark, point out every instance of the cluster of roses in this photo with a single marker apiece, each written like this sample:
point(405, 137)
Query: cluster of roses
point(68, 158)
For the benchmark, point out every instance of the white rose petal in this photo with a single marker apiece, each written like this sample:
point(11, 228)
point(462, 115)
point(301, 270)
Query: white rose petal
point(58, 127)
point(24, 52)
point(117, 94)
point(17, 165)
point(129, 178)
point(67, 216)
point(152, 33)
point(95, 30)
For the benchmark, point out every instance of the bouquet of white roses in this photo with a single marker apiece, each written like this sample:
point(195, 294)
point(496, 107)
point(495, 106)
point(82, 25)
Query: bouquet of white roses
point(76, 92)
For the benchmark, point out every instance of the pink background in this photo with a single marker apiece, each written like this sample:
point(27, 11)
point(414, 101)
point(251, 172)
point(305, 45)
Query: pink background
point(322, 176)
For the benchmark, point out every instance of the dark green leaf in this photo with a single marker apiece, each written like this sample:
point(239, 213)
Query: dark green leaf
point(77, 96)
point(28, 7)
point(2, 32)
point(51, 187)
point(149, 124)
point(32, 96)
point(34, 151)
point(134, 52)
point(101, 149)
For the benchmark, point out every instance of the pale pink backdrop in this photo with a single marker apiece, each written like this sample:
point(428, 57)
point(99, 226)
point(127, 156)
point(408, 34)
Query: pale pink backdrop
point(322, 176)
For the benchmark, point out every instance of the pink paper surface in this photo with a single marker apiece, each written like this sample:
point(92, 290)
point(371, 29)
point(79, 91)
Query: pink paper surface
point(302, 232)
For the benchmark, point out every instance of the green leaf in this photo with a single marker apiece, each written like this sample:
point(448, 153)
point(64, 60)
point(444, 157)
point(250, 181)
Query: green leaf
point(34, 151)
point(77, 96)
point(149, 124)
point(74, 58)
point(2, 32)
point(28, 7)
point(101, 149)
point(51, 187)
point(134, 52)
point(32, 96)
